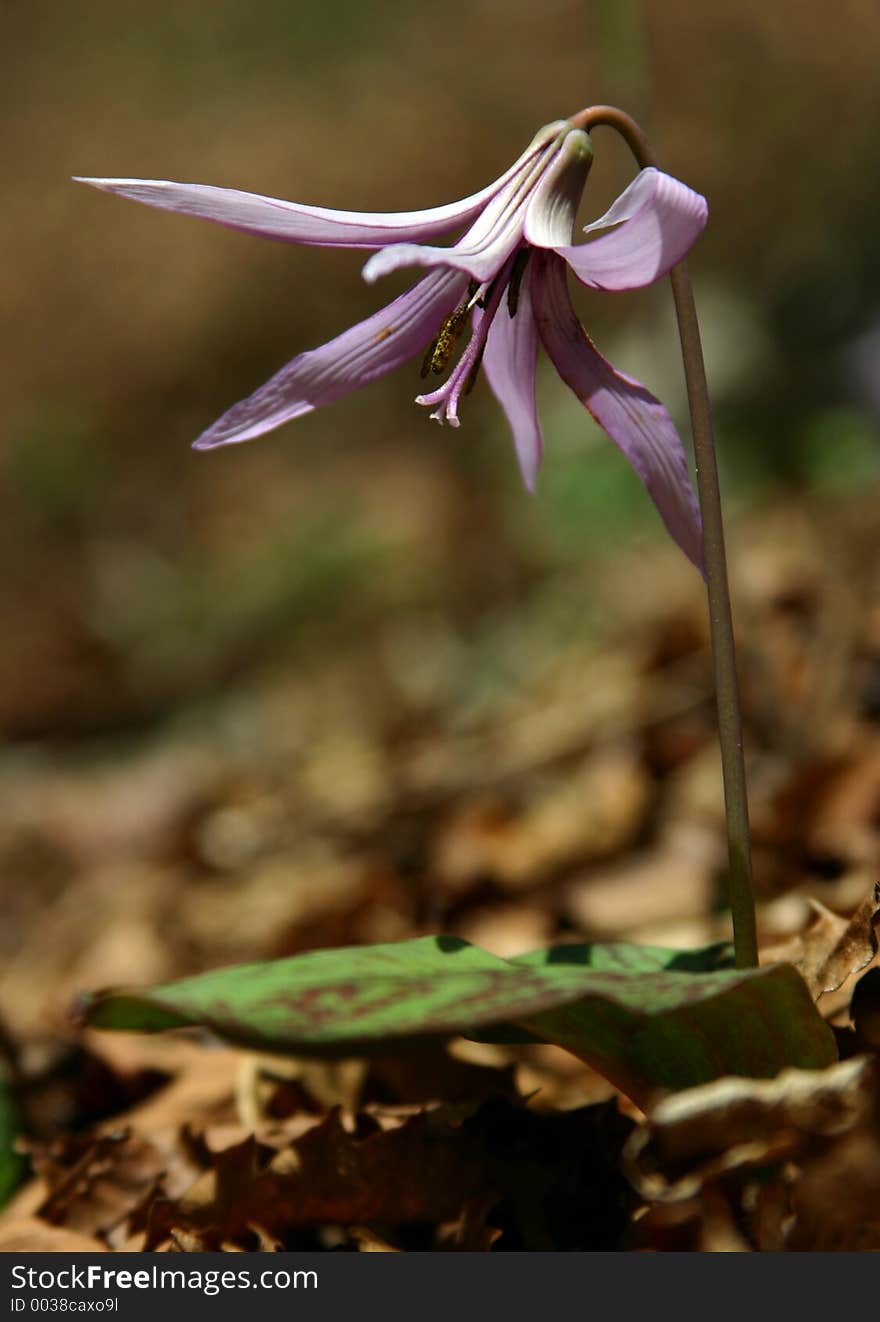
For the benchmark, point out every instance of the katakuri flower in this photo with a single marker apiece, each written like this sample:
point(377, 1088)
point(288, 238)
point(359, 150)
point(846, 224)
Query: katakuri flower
point(505, 279)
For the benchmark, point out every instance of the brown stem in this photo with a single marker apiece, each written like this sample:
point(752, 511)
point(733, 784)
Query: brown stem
point(742, 903)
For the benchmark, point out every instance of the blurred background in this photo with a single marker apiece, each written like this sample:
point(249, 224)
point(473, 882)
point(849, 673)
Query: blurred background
point(350, 682)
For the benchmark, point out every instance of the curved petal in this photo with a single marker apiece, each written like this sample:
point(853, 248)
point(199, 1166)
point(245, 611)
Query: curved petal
point(496, 232)
point(293, 222)
point(510, 361)
point(356, 357)
point(658, 220)
point(637, 422)
point(554, 203)
point(480, 253)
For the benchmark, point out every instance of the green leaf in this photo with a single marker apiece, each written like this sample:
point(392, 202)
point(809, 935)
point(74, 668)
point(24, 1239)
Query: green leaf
point(346, 1001)
point(646, 1017)
point(669, 1029)
point(12, 1164)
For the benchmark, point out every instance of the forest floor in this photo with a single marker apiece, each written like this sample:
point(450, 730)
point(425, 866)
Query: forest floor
point(530, 784)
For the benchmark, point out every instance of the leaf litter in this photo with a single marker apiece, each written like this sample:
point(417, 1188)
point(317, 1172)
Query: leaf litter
point(347, 803)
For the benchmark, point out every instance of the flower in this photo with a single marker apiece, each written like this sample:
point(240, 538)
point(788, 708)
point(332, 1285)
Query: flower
point(506, 279)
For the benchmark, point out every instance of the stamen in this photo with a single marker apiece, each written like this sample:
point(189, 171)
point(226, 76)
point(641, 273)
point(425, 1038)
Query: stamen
point(428, 358)
point(443, 346)
point(520, 262)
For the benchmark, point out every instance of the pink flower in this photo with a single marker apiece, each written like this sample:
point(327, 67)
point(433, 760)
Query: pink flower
point(505, 279)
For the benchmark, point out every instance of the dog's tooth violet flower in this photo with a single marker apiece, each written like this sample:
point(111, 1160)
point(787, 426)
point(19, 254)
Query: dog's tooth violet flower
point(504, 281)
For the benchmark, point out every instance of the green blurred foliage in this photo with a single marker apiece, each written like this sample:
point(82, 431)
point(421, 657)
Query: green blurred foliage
point(13, 1165)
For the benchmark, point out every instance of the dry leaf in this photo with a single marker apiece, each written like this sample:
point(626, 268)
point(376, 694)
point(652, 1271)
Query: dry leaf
point(95, 1182)
point(695, 1135)
point(833, 948)
point(370, 1241)
point(590, 812)
point(32, 1235)
point(422, 1171)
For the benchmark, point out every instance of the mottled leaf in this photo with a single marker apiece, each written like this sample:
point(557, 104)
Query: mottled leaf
point(669, 1028)
point(643, 1016)
point(346, 1001)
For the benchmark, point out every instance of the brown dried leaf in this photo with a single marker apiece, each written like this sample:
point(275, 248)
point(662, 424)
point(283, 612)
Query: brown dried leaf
point(469, 1233)
point(422, 1171)
point(31, 1235)
point(94, 1183)
point(854, 948)
point(201, 1092)
point(837, 1199)
point(590, 812)
point(646, 890)
point(833, 948)
point(737, 1124)
point(370, 1241)
point(556, 1177)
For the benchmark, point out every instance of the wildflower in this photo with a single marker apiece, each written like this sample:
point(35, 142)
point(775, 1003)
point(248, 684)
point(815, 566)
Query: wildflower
point(505, 279)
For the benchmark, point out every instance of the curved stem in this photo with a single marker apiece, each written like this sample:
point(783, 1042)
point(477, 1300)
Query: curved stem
point(742, 903)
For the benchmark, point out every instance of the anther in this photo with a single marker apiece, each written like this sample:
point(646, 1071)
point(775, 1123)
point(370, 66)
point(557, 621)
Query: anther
point(520, 262)
point(442, 347)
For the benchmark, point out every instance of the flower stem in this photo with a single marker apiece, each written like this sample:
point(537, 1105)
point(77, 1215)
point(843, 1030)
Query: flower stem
point(742, 902)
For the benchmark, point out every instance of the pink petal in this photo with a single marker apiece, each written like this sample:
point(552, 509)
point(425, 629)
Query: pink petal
point(510, 361)
point(658, 220)
point(636, 421)
point(554, 203)
point(496, 232)
point(357, 356)
point(294, 222)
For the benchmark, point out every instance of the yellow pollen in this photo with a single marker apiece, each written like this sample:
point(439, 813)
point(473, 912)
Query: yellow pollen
point(442, 348)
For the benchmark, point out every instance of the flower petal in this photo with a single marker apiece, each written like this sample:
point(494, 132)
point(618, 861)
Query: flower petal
point(354, 358)
point(637, 422)
point(290, 221)
point(509, 361)
point(658, 220)
point(495, 233)
point(554, 203)
point(294, 222)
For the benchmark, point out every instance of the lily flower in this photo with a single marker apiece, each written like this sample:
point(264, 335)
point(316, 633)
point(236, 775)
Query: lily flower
point(505, 279)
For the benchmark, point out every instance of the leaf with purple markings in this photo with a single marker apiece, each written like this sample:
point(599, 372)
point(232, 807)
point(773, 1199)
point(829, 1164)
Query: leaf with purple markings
point(649, 1019)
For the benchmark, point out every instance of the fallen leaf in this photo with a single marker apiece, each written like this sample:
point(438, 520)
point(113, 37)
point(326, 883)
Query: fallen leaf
point(589, 813)
point(32, 1235)
point(696, 1136)
point(470, 1232)
point(370, 1241)
point(832, 948)
point(836, 1200)
point(94, 1182)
